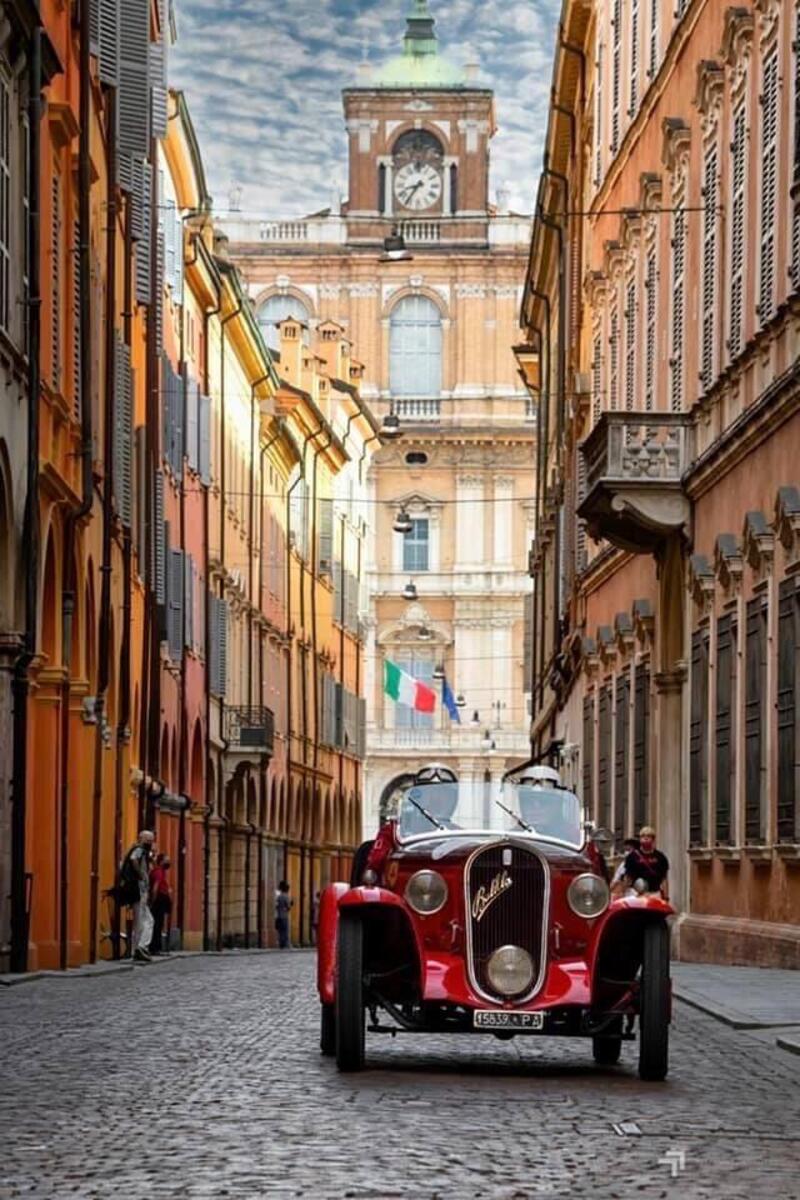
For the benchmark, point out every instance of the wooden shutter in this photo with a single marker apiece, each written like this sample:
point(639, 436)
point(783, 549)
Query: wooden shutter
point(613, 359)
point(188, 601)
point(55, 279)
point(218, 649)
point(708, 319)
point(652, 65)
point(133, 96)
point(175, 589)
point(192, 393)
point(725, 728)
point(604, 758)
point(769, 183)
point(204, 439)
point(788, 742)
point(651, 288)
point(108, 37)
point(616, 73)
point(158, 88)
point(75, 274)
point(598, 113)
point(325, 537)
point(588, 753)
point(140, 524)
point(141, 224)
point(641, 746)
point(158, 541)
point(630, 346)
point(527, 642)
point(754, 721)
point(698, 741)
point(738, 199)
point(622, 756)
point(634, 63)
point(678, 306)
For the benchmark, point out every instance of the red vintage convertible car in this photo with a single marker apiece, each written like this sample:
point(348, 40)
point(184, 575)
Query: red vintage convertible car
point(492, 914)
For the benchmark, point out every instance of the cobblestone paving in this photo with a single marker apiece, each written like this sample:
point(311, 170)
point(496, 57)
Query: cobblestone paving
point(203, 1079)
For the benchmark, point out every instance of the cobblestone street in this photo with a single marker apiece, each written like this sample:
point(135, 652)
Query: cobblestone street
point(203, 1078)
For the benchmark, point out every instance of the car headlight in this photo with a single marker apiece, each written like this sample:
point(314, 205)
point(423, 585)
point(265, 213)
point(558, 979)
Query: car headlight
point(588, 895)
point(510, 970)
point(426, 892)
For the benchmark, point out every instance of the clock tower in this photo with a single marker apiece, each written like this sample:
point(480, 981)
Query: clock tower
point(419, 135)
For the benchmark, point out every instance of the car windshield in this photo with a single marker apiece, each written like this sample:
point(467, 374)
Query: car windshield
point(429, 808)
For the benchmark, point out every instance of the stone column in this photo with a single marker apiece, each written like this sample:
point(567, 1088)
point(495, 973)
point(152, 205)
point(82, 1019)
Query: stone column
point(671, 806)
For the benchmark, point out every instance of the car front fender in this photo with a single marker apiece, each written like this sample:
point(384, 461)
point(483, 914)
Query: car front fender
point(327, 927)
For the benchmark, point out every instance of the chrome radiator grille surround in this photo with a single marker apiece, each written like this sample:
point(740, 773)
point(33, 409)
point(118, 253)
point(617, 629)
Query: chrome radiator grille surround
point(507, 903)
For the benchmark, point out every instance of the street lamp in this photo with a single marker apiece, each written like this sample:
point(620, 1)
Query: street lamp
point(402, 522)
point(460, 701)
point(410, 590)
point(425, 634)
point(438, 671)
point(390, 427)
point(487, 742)
point(476, 721)
point(394, 248)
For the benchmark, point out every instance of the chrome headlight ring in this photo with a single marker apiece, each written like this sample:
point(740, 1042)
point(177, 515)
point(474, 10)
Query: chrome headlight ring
point(510, 970)
point(426, 893)
point(588, 895)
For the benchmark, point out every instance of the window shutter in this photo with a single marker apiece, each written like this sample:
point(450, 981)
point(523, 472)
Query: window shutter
point(325, 537)
point(133, 96)
point(621, 755)
point(158, 89)
point(597, 377)
point(175, 605)
point(141, 201)
point(123, 415)
point(724, 728)
point(188, 596)
point(598, 114)
point(698, 741)
point(651, 286)
point(178, 391)
point(655, 6)
point(76, 324)
point(678, 305)
point(634, 64)
point(737, 205)
point(580, 537)
point(157, 305)
point(94, 27)
point(55, 310)
point(361, 727)
point(788, 741)
point(604, 757)
point(754, 720)
point(630, 346)
point(641, 746)
point(178, 285)
point(204, 439)
point(140, 527)
point(108, 40)
point(158, 541)
point(796, 90)
point(769, 181)
point(616, 73)
point(527, 643)
point(339, 728)
point(192, 391)
point(613, 355)
point(167, 214)
point(709, 276)
point(588, 753)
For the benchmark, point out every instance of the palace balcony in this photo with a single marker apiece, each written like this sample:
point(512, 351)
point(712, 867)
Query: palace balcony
point(634, 466)
point(249, 732)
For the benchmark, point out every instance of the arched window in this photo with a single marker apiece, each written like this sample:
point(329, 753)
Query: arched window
point(276, 309)
point(415, 348)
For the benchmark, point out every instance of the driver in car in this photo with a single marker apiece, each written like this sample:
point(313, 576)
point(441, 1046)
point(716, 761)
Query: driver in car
point(435, 790)
point(540, 804)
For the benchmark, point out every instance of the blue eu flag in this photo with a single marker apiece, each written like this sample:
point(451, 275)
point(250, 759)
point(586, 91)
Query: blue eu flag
point(449, 701)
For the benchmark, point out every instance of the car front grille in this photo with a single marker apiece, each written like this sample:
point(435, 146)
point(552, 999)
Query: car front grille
point(507, 891)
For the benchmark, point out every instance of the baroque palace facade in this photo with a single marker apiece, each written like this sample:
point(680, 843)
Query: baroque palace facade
point(434, 328)
point(663, 294)
point(175, 646)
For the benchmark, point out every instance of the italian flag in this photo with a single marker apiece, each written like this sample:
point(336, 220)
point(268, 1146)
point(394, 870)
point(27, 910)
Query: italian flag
point(405, 689)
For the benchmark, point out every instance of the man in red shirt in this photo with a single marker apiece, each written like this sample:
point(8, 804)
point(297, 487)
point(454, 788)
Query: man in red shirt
point(160, 899)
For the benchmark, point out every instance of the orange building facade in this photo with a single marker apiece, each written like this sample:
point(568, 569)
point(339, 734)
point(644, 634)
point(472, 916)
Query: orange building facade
point(666, 307)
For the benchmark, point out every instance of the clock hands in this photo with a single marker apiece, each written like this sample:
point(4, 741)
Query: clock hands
point(408, 192)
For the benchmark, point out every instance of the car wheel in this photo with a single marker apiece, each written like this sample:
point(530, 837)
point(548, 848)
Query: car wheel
point(350, 1017)
point(654, 1004)
point(327, 1030)
point(606, 1050)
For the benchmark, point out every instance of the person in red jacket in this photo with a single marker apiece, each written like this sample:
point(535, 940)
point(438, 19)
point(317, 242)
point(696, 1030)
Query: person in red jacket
point(160, 900)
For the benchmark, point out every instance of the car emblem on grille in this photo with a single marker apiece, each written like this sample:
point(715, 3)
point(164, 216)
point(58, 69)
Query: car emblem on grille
point(485, 897)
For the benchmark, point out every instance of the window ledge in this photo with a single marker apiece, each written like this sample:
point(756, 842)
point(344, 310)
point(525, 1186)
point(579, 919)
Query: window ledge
point(701, 853)
point(728, 855)
point(789, 851)
point(758, 854)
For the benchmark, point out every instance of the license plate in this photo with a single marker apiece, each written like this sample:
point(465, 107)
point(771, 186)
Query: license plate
point(490, 1018)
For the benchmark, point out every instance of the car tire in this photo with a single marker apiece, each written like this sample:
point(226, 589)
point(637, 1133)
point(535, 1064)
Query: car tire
point(654, 1004)
point(350, 1015)
point(327, 1030)
point(606, 1050)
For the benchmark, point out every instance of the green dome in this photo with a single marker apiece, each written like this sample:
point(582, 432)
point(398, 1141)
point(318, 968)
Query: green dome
point(419, 66)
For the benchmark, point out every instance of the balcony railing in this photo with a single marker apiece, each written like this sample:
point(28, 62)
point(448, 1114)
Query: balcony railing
point(634, 466)
point(421, 231)
point(250, 730)
point(418, 408)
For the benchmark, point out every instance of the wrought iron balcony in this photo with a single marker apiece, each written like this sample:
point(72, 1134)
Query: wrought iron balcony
point(634, 466)
point(250, 730)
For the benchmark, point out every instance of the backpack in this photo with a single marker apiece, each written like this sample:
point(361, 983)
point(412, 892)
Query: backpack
point(127, 886)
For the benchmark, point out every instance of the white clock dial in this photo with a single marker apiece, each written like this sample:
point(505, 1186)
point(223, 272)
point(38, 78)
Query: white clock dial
point(417, 185)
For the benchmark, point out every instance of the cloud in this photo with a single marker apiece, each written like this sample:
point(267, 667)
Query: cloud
point(264, 83)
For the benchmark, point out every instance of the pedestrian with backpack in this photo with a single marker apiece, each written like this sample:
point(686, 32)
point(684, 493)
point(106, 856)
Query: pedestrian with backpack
point(134, 888)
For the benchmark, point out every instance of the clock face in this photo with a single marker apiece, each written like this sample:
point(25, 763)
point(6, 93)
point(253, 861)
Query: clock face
point(417, 185)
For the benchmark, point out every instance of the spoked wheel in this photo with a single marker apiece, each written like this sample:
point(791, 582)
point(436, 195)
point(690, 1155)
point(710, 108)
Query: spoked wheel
point(327, 1029)
point(654, 1004)
point(350, 1015)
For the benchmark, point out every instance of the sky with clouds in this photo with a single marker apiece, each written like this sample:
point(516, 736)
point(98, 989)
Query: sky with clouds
point(263, 80)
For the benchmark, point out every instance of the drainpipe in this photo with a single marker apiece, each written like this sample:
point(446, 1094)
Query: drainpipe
point(104, 633)
point(208, 800)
